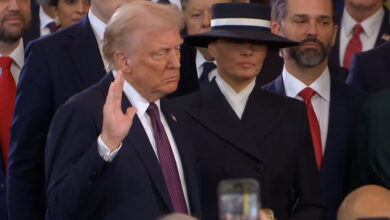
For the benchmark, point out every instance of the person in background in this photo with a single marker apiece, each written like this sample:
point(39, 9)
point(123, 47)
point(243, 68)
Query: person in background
point(68, 12)
point(57, 66)
point(366, 202)
point(364, 24)
point(242, 131)
point(332, 106)
point(105, 162)
point(15, 16)
point(370, 70)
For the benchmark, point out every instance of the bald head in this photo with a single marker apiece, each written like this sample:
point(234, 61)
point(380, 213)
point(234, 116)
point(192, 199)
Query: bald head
point(365, 202)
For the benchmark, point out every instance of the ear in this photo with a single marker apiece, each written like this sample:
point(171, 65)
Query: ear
point(276, 28)
point(213, 49)
point(335, 31)
point(122, 62)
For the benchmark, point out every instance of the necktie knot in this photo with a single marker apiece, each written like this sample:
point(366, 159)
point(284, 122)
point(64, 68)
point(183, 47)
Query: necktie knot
point(307, 93)
point(53, 26)
point(153, 111)
point(357, 30)
point(6, 62)
point(204, 77)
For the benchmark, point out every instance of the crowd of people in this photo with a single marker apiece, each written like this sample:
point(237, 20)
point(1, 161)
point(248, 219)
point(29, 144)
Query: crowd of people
point(136, 109)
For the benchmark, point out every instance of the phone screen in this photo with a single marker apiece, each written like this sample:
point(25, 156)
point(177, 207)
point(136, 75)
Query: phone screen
point(238, 199)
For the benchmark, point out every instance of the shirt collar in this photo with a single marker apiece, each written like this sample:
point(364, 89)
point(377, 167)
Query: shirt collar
point(369, 25)
point(293, 85)
point(236, 100)
point(97, 25)
point(136, 99)
point(44, 18)
point(18, 54)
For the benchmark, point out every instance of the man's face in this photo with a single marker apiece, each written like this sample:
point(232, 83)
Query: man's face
point(155, 62)
point(309, 22)
point(15, 19)
point(198, 15)
point(104, 9)
point(239, 62)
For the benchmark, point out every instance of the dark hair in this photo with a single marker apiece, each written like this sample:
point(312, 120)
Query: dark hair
point(279, 10)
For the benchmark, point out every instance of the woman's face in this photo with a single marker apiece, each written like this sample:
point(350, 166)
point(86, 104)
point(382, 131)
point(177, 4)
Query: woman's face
point(71, 11)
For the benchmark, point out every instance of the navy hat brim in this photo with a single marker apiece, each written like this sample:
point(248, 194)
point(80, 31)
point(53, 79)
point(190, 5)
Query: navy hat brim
point(253, 35)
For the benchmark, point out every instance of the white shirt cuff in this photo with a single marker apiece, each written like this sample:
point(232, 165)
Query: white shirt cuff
point(104, 151)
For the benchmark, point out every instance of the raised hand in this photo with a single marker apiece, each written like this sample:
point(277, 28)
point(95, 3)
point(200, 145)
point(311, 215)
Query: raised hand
point(116, 124)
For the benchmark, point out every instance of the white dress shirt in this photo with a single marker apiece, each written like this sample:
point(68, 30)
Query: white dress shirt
point(320, 101)
point(98, 28)
point(18, 56)
point(199, 61)
point(141, 104)
point(236, 100)
point(44, 19)
point(371, 27)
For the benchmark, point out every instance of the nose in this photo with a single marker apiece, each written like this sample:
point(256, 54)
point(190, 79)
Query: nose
point(14, 5)
point(206, 21)
point(82, 7)
point(246, 49)
point(312, 29)
point(174, 59)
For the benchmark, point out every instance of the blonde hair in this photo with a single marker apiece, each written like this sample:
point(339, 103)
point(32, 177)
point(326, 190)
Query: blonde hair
point(133, 18)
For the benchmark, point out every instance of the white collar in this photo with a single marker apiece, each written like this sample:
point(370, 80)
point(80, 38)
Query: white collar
point(135, 98)
point(18, 54)
point(97, 25)
point(236, 100)
point(293, 85)
point(369, 25)
point(44, 18)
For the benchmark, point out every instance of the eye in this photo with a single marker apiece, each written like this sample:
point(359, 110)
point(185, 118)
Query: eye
point(196, 15)
point(160, 54)
point(299, 21)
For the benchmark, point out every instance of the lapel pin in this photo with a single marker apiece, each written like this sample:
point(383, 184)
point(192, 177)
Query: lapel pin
point(173, 118)
point(386, 37)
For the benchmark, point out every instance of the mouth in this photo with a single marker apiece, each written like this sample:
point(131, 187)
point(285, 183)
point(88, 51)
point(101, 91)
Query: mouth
point(13, 19)
point(246, 64)
point(173, 78)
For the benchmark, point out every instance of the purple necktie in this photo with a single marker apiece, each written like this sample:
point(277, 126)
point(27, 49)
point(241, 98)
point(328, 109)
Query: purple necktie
point(167, 161)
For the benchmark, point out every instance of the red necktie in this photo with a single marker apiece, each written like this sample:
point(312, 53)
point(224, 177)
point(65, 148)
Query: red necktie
point(354, 45)
point(307, 94)
point(7, 104)
point(167, 161)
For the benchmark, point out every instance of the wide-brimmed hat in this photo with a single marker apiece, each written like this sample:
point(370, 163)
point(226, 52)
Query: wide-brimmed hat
point(240, 21)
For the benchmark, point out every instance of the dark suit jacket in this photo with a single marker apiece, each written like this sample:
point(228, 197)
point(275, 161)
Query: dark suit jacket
point(3, 194)
point(189, 81)
point(345, 103)
point(34, 31)
point(81, 185)
point(370, 70)
point(271, 143)
point(334, 56)
point(57, 67)
point(371, 158)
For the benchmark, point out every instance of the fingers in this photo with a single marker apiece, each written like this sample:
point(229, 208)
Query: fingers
point(130, 112)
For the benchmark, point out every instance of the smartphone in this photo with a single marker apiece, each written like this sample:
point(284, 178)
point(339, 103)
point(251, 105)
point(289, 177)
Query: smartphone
point(238, 199)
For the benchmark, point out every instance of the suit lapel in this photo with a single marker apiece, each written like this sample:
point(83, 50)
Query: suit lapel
point(216, 114)
point(85, 54)
point(262, 113)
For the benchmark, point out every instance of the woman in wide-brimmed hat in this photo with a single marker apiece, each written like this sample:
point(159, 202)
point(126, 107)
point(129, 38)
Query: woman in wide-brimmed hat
point(242, 131)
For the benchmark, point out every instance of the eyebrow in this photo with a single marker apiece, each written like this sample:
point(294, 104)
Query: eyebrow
point(318, 17)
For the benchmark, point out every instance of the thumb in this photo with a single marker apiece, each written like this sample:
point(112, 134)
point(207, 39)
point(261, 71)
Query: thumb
point(130, 112)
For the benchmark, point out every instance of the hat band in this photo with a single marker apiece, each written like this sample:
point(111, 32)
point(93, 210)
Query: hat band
point(240, 22)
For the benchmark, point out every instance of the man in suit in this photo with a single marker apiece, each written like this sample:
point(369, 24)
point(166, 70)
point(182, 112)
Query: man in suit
point(15, 19)
point(363, 26)
point(57, 67)
point(332, 105)
point(42, 23)
point(241, 131)
point(370, 70)
point(102, 163)
point(371, 158)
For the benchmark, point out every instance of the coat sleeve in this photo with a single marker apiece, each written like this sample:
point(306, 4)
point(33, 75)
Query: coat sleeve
point(72, 162)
